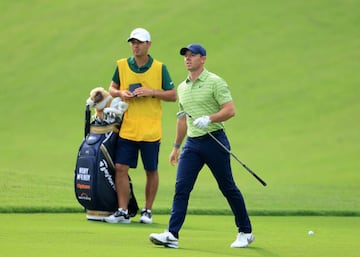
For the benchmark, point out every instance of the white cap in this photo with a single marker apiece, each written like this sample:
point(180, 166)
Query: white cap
point(140, 34)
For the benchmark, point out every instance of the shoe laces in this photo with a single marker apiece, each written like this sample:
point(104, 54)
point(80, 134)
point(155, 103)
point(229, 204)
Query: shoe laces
point(146, 212)
point(120, 213)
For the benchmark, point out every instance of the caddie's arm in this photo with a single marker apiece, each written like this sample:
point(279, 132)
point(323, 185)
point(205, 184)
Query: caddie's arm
point(166, 95)
point(115, 91)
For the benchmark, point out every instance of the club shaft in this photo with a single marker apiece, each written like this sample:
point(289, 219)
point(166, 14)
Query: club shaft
point(227, 150)
point(236, 158)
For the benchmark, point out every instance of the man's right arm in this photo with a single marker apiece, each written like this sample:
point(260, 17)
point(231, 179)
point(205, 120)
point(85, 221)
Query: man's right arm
point(115, 91)
point(181, 129)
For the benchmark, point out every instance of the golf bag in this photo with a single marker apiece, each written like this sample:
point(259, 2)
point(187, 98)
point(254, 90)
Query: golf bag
point(94, 172)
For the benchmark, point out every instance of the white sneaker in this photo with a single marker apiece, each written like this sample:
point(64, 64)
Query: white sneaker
point(119, 216)
point(243, 240)
point(146, 216)
point(166, 239)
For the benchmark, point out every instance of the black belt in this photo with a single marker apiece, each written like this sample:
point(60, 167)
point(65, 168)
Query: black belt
point(214, 133)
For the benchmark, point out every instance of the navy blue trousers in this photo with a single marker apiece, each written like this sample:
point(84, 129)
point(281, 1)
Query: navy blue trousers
point(197, 152)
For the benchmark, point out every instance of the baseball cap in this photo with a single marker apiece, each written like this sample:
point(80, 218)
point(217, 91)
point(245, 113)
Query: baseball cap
point(194, 48)
point(140, 34)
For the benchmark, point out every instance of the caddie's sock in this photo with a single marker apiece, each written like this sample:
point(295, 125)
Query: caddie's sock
point(124, 211)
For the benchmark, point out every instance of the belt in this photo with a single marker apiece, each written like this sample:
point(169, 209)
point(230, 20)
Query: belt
point(214, 133)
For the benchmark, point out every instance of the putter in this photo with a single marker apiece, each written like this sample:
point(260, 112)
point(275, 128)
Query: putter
point(183, 113)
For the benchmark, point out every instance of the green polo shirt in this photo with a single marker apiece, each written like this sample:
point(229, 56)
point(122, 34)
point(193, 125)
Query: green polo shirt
point(167, 83)
point(202, 97)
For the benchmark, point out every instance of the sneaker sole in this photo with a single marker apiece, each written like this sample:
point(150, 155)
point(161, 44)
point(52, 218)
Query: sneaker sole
point(145, 220)
point(157, 242)
point(116, 221)
point(252, 239)
point(171, 246)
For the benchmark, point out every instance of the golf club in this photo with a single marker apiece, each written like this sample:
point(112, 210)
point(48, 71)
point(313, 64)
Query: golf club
point(87, 120)
point(182, 113)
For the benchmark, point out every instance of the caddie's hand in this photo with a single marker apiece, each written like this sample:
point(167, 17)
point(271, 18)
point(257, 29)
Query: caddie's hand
point(126, 95)
point(143, 91)
point(202, 122)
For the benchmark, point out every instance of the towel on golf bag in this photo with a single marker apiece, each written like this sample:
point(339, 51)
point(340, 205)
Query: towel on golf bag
point(94, 172)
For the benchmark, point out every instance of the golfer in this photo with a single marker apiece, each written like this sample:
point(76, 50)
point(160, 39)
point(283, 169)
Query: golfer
point(142, 82)
point(206, 102)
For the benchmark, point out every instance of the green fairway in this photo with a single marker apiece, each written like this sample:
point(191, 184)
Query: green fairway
point(291, 66)
point(71, 235)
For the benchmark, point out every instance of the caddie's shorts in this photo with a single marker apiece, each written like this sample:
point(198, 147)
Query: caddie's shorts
point(127, 153)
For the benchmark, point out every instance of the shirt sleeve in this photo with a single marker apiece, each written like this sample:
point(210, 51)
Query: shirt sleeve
point(116, 76)
point(222, 92)
point(167, 83)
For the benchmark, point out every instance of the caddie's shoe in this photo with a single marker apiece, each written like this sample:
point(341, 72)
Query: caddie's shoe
point(119, 216)
point(243, 240)
point(146, 216)
point(166, 239)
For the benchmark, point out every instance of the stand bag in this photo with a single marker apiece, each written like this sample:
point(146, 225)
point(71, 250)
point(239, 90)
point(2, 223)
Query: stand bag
point(94, 172)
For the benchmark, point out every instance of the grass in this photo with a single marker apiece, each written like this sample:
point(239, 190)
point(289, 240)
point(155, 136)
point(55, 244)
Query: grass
point(291, 67)
point(71, 235)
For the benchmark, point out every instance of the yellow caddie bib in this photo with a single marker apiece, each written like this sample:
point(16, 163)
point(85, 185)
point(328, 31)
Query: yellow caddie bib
point(142, 119)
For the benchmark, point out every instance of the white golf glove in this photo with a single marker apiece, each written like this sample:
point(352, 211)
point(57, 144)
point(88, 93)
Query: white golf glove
point(202, 122)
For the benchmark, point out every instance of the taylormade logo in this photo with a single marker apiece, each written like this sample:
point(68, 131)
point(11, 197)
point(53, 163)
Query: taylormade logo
point(105, 168)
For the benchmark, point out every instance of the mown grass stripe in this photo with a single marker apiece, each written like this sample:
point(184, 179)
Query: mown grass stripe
point(348, 213)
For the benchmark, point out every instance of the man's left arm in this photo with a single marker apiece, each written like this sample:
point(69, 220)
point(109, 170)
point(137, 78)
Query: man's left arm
point(168, 92)
point(226, 112)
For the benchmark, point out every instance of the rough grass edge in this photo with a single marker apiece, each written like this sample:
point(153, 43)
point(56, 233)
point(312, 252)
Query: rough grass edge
point(343, 213)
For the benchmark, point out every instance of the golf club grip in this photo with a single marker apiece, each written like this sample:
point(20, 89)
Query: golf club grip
point(249, 170)
point(256, 176)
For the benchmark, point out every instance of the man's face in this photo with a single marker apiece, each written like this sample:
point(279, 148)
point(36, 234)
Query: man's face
point(139, 48)
point(193, 61)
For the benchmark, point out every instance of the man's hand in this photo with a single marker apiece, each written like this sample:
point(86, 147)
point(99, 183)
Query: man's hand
point(202, 122)
point(174, 156)
point(126, 94)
